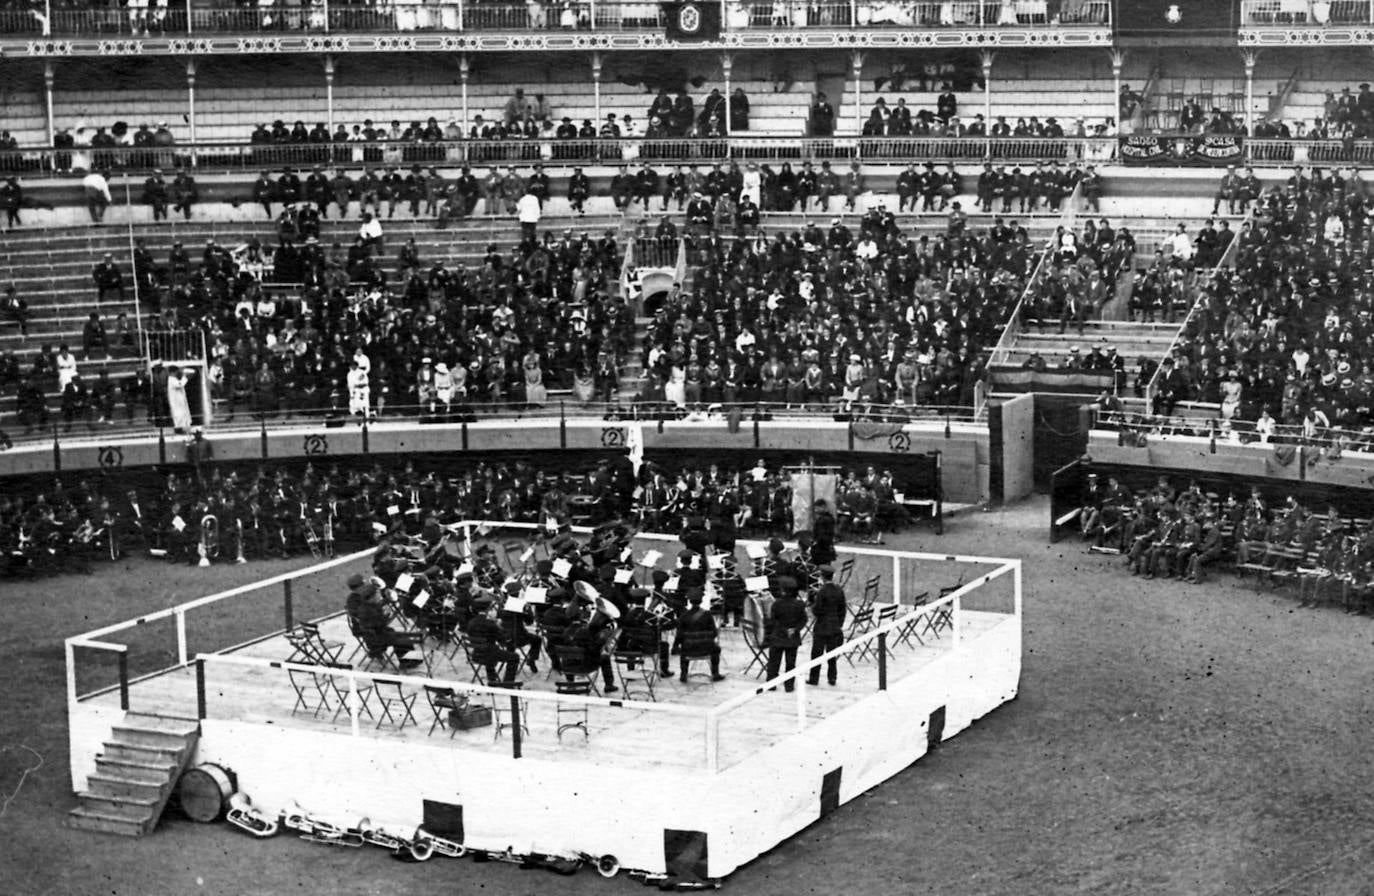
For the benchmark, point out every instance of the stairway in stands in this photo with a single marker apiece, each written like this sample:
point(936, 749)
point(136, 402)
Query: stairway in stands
point(135, 774)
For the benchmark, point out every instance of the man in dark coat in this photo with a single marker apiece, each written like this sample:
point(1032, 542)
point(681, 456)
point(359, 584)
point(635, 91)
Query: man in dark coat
point(786, 620)
point(829, 607)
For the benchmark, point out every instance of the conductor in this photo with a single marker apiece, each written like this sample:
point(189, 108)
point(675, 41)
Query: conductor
point(786, 620)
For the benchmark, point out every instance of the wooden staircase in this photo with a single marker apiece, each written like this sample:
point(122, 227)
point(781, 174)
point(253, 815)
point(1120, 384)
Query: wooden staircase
point(135, 774)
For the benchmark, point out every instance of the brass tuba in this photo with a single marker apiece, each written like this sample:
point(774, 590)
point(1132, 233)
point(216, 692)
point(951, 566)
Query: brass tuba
point(242, 814)
point(209, 539)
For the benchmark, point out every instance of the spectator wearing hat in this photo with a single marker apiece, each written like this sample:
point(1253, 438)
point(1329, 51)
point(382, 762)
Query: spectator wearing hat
point(185, 193)
point(155, 194)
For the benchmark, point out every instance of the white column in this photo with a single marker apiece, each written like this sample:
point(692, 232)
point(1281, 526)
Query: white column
point(1250, 57)
point(987, 56)
point(1118, 63)
point(49, 76)
point(464, 70)
point(727, 63)
point(191, 103)
point(596, 90)
point(856, 64)
point(329, 93)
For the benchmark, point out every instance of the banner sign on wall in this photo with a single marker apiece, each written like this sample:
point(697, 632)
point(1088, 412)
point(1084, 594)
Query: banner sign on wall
point(1182, 149)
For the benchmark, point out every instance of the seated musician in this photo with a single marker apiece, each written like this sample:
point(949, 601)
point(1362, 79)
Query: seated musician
point(593, 633)
point(697, 619)
point(644, 628)
point(1207, 549)
point(179, 536)
point(364, 608)
point(490, 643)
point(690, 570)
point(560, 613)
point(520, 628)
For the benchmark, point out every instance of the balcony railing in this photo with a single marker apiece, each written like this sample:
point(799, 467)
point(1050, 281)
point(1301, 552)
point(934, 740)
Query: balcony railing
point(1305, 13)
point(324, 16)
point(483, 153)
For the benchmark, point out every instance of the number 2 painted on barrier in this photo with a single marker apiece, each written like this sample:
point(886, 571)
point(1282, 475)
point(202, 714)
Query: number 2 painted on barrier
point(316, 444)
point(612, 437)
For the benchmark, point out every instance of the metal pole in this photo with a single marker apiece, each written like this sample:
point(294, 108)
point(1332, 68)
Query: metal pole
point(726, 64)
point(1251, 56)
point(47, 18)
point(287, 608)
point(129, 231)
point(189, 23)
point(124, 680)
point(515, 725)
point(882, 661)
point(200, 688)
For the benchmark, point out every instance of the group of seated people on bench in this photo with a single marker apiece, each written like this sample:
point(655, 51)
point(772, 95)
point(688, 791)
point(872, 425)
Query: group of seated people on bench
point(1166, 533)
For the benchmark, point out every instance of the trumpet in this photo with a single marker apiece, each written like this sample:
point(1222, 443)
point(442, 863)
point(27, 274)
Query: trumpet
point(242, 814)
point(209, 539)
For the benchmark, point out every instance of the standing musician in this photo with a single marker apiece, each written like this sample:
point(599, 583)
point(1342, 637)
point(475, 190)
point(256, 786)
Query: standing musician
point(829, 607)
point(786, 621)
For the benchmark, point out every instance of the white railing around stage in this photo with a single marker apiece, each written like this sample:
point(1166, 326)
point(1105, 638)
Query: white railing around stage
point(163, 644)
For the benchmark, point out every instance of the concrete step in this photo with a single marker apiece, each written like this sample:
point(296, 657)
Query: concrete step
point(136, 769)
point(84, 819)
point(122, 805)
point(113, 786)
point(135, 751)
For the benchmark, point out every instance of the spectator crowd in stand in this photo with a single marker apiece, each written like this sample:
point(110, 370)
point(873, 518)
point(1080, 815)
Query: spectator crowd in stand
point(1284, 340)
point(227, 515)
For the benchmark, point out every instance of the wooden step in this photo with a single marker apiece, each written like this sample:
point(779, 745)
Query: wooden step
point(179, 725)
point(150, 737)
point(84, 819)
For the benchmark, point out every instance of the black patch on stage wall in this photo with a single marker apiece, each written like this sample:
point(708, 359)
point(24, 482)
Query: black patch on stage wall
point(444, 820)
point(830, 791)
point(684, 854)
point(935, 730)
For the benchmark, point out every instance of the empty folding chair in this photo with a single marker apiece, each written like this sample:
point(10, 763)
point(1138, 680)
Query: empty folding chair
point(392, 696)
point(859, 623)
point(753, 640)
point(501, 709)
point(310, 695)
point(576, 714)
point(908, 629)
point(637, 672)
point(339, 687)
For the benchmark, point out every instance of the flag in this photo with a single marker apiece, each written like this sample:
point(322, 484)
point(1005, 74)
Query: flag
point(694, 20)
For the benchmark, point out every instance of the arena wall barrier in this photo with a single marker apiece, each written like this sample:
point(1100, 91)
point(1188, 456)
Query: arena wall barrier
point(964, 446)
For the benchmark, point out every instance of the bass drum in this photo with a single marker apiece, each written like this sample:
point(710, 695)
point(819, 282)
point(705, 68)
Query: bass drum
point(204, 792)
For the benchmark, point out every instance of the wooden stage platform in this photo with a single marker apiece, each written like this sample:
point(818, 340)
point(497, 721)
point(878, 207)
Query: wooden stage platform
point(265, 696)
point(692, 783)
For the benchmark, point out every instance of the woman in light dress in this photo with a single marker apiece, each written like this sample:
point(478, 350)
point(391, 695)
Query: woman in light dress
point(535, 393)
point(675, 389)
point(176, 400)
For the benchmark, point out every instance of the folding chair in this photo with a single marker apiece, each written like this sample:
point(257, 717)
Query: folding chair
point(469, 656)
point(870, 593)
point(886, 613)
point(313, 645)
point(441, 702)
point(390, 693)
point(753, 639)
point(696, 647)
point(501, 709)
point(576, 711)
point(305, 683)
point(341, 693)
point(941, 617)
point(860, 622)
point(846, 570)
point(635, 668)
point(907, 630)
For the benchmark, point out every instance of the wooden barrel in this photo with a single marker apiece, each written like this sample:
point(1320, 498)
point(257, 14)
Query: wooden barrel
point(204, 792)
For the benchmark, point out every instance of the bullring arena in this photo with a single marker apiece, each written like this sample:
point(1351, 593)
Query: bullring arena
point(780, 448)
